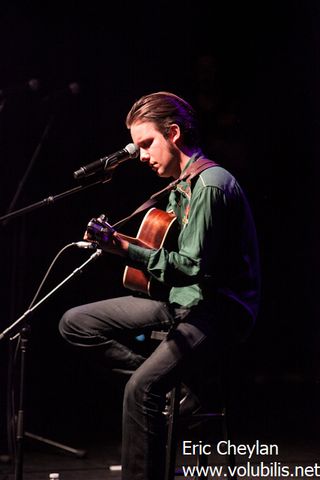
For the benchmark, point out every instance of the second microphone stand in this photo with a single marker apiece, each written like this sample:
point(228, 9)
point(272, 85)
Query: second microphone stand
point(24, 335)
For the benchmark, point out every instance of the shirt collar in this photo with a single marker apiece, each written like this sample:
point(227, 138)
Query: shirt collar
point(192, 159)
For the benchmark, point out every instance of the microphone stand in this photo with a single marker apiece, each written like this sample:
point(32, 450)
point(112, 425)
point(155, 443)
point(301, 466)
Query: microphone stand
point(25, 331)
point(26, 174)
point(24, 334)
point(14, 200)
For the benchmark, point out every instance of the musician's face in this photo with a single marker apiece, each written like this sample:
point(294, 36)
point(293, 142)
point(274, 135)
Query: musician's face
point(160, 153)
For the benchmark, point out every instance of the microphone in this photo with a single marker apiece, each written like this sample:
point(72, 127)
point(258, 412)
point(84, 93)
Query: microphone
point(87, 245)
point(32, 85)
point(109, 162)
point(72, 89)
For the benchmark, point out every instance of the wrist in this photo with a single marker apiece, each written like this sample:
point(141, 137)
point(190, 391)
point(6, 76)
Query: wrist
point(122, 245)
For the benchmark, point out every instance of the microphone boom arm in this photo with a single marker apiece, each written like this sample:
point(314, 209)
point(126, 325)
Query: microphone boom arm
point(50, 200)
point(15, 324)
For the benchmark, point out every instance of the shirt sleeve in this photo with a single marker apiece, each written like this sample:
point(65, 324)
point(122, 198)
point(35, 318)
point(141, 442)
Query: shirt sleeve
point(198, 240)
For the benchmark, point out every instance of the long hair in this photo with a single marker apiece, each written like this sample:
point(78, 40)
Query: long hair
point(164, 109)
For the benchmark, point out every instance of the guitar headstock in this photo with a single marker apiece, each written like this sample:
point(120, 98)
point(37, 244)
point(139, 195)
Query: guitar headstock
point(98, 229)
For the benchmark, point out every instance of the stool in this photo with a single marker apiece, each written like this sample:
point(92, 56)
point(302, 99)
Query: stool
point(172, 411)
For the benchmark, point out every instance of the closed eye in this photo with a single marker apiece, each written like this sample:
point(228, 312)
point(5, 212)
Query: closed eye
point(146, 144)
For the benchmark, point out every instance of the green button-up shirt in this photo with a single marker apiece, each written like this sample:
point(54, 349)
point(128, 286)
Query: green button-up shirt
point(217, 246)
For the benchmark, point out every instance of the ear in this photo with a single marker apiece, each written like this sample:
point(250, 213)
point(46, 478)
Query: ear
point(174, 133)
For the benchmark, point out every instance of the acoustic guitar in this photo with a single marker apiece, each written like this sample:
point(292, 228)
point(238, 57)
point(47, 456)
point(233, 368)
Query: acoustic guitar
point(158, 229)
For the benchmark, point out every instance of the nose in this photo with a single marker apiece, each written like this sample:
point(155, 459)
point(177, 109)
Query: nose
point(144, 156)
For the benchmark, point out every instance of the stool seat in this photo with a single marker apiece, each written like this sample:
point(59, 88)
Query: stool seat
point(158, 334)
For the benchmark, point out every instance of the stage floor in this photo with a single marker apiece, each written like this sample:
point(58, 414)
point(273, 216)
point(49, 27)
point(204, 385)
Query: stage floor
point(274, 427)
point(102, 463)
point(293, 458)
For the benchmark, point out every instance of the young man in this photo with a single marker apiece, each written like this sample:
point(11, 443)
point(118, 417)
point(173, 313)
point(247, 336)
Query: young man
point(213, 277)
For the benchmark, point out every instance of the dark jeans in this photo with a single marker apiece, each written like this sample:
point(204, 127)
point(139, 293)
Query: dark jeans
point(195, 337)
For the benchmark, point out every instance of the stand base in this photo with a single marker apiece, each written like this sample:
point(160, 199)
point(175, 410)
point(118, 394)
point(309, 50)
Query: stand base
point(65, 448)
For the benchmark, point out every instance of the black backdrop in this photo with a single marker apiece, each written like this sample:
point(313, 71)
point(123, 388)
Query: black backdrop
point(251, 70)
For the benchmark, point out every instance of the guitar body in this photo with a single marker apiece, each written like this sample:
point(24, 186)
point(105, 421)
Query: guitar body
point(158, 229)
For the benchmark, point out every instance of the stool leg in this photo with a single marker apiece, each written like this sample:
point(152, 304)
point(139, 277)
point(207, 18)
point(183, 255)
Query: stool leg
point(231, 456)
point(172, 434)
point(202, 461)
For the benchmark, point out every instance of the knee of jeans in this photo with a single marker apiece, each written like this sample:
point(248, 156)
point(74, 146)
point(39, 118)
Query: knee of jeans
point(134, 392)
point(68, 322)
point(141, 397)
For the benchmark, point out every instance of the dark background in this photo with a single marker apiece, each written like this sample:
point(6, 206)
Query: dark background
point(251, 69)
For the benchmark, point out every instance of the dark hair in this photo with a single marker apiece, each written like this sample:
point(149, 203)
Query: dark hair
point(164, 109)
